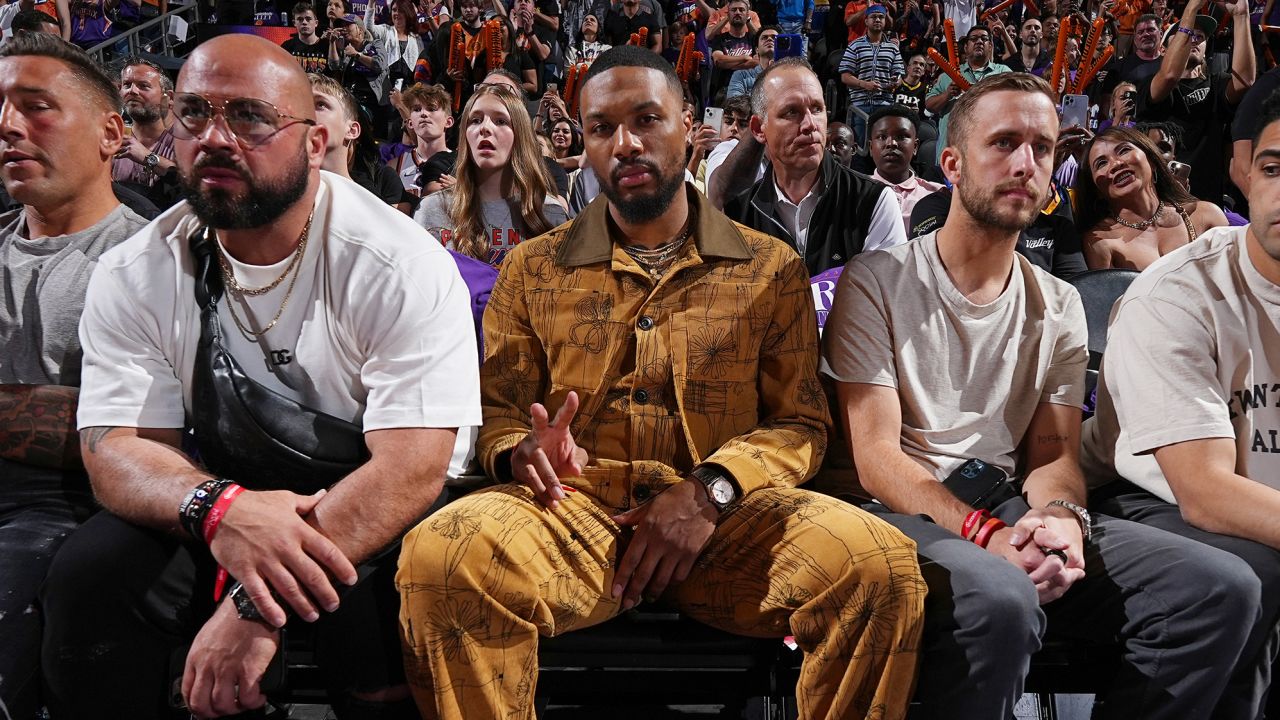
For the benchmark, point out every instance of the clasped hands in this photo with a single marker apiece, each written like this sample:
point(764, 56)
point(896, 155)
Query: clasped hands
point(266, 543)
point(670, 531)
point(1036, 544)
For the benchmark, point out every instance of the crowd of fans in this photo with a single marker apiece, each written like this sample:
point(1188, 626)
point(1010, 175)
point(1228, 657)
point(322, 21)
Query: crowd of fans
point(646, 266)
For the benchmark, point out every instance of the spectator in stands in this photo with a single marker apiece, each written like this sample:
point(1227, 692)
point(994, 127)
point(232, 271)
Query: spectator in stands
point(436, 54)
point(841, 143)
point(1030, 56)
point(430, 117)
point(310, 49)
point(964, 13)
point(826, 212)
point(1185, 93)
point(795, 17)
point(145, 161)
point(349, 151)
point(1132, 208)
point(855, 18)
point(735, 122)
point(399, 46)
point(911, 90)
point(503, 194)
point(515, 61)
point(589, 46)
point(1165, 136)
point(1244, 127)
point(957, 360)
point(59, 129)
point(893, 144)
point(134, 586)
point(976, 67)
point(525, 37)
point(620, 23)
point(1187, 411)
point(7, 12)
point(1123, 106)
point(698, 473)
point(357, 61)
point(90, 23)
point(741, 81)
point(566, 142)
point(1144, 62)
point(35, 21)
point(734, 46)
point(870, 68)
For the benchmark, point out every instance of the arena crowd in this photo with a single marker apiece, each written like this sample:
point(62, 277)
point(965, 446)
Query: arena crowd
point(442, 327)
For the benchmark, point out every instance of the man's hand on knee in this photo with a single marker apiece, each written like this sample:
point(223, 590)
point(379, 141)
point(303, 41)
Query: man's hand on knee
point(226, 663)
point(670, 533)
point(265, 543)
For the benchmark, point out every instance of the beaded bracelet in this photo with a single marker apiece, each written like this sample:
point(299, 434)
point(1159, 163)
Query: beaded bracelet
point(197, 504)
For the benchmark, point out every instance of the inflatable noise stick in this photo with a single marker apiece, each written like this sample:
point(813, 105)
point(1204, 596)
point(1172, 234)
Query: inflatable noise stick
point(949, 69)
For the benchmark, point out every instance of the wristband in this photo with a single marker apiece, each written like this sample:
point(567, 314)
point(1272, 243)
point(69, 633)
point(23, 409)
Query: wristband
point(213, 519)
point(197, 504)
point(971, 521)
point(1186, 30)
point(989, 528)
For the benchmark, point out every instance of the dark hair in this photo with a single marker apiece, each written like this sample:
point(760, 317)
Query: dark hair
point(1173, 130)
point(978, 28)
point(774, 28)
point(739, 105)
point(1093, 207)
point(901, 111)
point(166, 82)
point(31, 21)
point(1269, 113)
point(1149, 17)
point(83, 68)
point(1028, 19)
point(758, 98)
point(963, 115)
point(302, 7)
point(632, 56)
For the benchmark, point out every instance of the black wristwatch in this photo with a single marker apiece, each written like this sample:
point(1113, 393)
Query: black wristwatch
point(245, 609)
point(150, 162)
point(720, 489)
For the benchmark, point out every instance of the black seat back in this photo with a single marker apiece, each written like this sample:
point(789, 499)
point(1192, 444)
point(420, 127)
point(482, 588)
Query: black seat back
point(1099, 290)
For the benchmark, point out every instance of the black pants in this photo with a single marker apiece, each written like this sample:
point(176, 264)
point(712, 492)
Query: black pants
point(122, 604)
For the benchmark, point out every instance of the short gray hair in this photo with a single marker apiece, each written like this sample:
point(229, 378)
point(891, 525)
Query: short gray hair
point(758, 95)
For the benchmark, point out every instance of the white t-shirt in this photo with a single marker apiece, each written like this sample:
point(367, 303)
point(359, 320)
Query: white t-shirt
point(716, 158)
point(969, 377)
point(1193, 352)
point(378, 329)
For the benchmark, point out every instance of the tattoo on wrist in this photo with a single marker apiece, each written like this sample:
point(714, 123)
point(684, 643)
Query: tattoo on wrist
point(1053, 438)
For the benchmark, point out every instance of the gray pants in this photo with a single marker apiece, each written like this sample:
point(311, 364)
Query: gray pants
point(1246, 691)
point(1181, 611)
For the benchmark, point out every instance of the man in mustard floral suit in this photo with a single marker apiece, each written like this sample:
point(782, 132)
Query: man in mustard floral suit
point(679, 351)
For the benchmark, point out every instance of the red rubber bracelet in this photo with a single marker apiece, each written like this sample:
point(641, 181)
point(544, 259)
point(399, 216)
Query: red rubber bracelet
point(971, 521)
point(219, 509)
point(989, 528)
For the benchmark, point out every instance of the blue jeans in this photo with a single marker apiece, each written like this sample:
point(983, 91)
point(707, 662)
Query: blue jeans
point(795, 28)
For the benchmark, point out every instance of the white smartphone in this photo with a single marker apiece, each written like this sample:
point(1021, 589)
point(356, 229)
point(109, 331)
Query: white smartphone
point(714, 117)
point(1075, 111)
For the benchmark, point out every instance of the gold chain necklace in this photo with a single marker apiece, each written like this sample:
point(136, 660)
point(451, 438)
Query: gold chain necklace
point(294, 266)
point(254, 292)
point(1144, 224)
point(659, 259)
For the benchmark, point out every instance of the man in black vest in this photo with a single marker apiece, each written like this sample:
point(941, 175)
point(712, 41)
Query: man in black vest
point(824, 210)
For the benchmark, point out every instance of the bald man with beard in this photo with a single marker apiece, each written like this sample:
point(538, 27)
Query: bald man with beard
point(238, 328)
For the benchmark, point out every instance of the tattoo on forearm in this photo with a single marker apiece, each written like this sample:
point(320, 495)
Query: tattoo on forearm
point(94, 435)
point(1053, 438)
point(38, 425)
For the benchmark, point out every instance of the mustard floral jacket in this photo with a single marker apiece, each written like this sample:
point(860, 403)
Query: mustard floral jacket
point(729, 331)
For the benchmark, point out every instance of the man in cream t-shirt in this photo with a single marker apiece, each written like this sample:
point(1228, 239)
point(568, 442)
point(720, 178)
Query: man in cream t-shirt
point(1187, 434)
point(954, 347)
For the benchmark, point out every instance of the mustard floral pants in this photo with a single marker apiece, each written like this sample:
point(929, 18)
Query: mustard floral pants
point(484, 577)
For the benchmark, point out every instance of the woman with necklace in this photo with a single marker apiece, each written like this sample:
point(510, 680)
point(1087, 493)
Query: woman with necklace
point(1131, 207)
point(502, 193)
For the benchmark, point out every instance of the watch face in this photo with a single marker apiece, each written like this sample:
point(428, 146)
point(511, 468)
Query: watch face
point(722, 491)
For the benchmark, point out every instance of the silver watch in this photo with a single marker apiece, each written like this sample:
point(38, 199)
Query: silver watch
point(720, 489)
point(1086, 522)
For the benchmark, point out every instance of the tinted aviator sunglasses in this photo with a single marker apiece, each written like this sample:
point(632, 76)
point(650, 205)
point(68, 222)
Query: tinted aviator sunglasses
point(251, 121)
